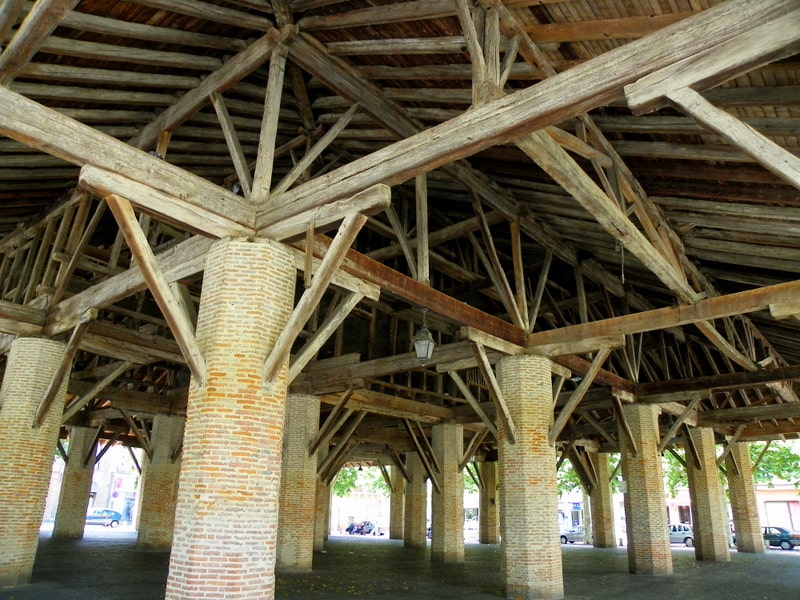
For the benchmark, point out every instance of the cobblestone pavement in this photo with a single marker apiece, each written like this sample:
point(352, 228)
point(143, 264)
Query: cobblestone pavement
point(107, 565)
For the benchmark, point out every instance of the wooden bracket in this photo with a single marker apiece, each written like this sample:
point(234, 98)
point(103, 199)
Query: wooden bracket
point(473, 402)
point(494, 391)
point(423, 455)
point(578, 394)
point(171, 304)
point(311, 296)
point(731, 441)
point(78, 403)
point(472, 447)
point(331, 425)
point(678, 422)
point(142, 436)
point(397, 461)
point(321, 335)
point(66, 364)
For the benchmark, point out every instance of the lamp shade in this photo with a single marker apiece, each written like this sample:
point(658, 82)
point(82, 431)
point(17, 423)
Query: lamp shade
point(424, 344)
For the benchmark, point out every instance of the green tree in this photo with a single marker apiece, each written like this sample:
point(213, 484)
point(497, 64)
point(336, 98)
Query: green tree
point(781, 462)
point(674, 472)
point(345, 481)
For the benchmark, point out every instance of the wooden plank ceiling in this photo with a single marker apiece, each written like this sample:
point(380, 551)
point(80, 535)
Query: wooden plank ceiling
point(613, 184)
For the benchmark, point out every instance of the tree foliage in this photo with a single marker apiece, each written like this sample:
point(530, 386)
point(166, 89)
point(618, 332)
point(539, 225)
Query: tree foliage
point(345, 481)
point(780, 462)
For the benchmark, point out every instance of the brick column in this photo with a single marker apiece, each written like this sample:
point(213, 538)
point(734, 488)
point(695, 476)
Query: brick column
point(530, 553)
point(397, 504)
point(488, 510)
point(710, 520)
point(227, 513)
point(298, 485)
point(447, 506)
point(416, 505)
point(322, 521)
point(645, 505)
point(741, 486)
point(76, 485)
point(159, 489)
point(26, 452)
point(602, 504)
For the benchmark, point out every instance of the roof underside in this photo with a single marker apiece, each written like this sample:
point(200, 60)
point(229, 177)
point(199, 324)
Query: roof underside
point(555, 196)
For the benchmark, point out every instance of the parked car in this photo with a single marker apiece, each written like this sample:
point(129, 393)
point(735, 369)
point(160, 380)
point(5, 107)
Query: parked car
point(778, 536)
point(572, 535)
point(681, 534)
point(103, 516)
point(362, 528)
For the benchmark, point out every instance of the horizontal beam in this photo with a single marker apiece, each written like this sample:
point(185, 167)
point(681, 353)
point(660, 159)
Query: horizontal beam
point(728, 381)
point(673, 316)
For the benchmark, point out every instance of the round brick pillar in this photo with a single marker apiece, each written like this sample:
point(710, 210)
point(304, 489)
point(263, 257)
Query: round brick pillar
point(530, 552)
point(298, 485)
point(26, 454)
point(226, 516)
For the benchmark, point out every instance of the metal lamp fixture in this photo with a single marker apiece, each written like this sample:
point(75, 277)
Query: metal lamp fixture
point(423, 341)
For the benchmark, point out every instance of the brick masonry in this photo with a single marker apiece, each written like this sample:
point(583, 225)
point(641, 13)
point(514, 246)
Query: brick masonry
point(26, 454)
point(447, 506)
point(710, 519)
point(744, 507)
point(602, 506)
point(322, 521)
point(645, 504)
point(416, 505)
point(227, 513)
point(76, 485)
point(530, 552)
point(160, 483)
point(489, 510)
point(397, 504)
point(298, 496)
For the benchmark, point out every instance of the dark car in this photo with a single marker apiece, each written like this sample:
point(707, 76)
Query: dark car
point(103, 516)
point(778, 536)
point(362, 528)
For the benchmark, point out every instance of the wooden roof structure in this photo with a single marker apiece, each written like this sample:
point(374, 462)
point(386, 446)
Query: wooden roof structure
point(612, 184)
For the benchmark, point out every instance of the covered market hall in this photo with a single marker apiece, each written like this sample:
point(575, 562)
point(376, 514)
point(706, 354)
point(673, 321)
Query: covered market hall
point(264, 240)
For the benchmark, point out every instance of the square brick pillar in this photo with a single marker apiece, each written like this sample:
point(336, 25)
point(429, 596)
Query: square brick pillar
point(530, 552)
point(488, 510)
point(742, 490)
point(26, 452)
point(645, 504)
point(76, 485)
point(397, 504)
point(602, 504)
point(705, 489)
point(416, 506)
point(447, 506)
point(226, 518)
point(159, 489)
point(298, 496)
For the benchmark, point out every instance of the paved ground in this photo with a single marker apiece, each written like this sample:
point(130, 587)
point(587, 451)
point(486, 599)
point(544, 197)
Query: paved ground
point(106, 565)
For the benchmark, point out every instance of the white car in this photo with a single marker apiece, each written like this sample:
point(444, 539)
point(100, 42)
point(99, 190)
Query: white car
point(681, 534)
point(575, 534)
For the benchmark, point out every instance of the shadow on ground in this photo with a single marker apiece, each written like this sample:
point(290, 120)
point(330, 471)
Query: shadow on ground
point(107, 565)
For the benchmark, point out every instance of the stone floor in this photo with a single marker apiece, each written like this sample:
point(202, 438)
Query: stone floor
point(107, 565)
